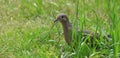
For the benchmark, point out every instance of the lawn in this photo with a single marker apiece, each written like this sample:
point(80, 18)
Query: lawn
point(27, 28)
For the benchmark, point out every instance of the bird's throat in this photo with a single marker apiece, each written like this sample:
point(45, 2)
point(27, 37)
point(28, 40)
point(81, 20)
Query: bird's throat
point(67, 27)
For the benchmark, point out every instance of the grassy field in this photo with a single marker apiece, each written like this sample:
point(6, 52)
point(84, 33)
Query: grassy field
point(27, 28)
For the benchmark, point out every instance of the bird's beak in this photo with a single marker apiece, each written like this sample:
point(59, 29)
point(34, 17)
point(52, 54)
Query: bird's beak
point(56, 20)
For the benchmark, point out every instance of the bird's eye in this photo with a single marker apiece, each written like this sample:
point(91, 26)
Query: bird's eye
point(62, 16)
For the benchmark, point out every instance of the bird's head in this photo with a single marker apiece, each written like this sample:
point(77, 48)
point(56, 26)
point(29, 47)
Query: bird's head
point(62, 18)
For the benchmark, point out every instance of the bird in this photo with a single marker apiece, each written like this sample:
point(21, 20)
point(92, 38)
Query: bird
point(67, 30)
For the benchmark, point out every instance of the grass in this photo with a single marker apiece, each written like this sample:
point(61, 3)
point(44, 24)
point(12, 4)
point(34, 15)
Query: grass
point(27, 29)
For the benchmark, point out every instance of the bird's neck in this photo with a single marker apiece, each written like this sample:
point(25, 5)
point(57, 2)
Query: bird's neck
point(67, 27)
